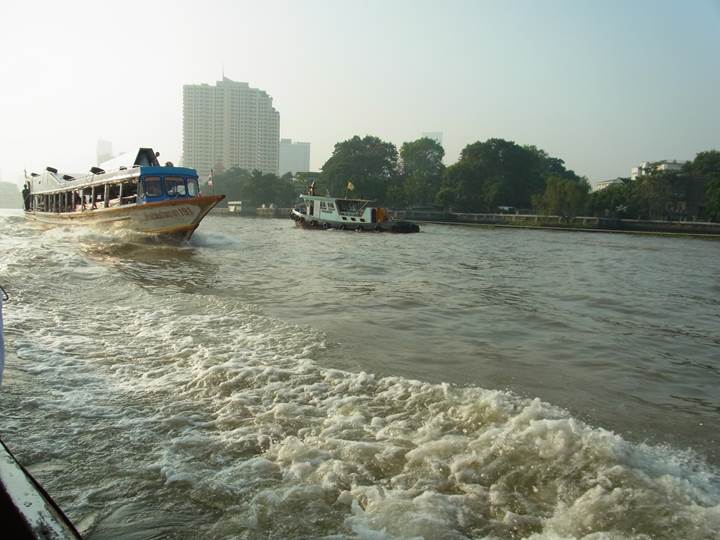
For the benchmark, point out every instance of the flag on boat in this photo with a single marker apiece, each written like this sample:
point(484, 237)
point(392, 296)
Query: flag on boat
point(351, 186)
point(210, 177)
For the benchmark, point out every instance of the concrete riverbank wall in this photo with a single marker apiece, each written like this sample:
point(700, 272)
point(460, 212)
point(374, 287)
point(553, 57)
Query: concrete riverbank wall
point(252, 212)
point(563, 222)
point(527, 221)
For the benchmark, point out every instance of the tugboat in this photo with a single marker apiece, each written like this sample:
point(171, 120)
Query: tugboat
point(319, 212)
point(145, 197)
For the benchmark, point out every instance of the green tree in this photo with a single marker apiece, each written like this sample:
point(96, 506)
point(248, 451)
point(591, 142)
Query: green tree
point(614, 201)
point(268, 189)
point(422, 170)
point(369, 163)
point(498, 173)
point(465, 188)
point(229, 183)
point(654, 196)
point(254, 189)
point(563, 196)
point(712, 199)
point(706, 166)
point(304, 180)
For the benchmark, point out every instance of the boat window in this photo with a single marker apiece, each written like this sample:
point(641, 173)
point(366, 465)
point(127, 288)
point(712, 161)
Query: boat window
point(175, 186)
point(351, 207)
point(114, 196)
point(129, 193)
point(192, 187)
point(153, 187)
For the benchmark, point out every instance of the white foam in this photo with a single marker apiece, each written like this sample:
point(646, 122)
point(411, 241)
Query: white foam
point(231, 408)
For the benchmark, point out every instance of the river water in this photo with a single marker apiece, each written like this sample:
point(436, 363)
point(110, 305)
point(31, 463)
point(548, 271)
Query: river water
point(270, 382)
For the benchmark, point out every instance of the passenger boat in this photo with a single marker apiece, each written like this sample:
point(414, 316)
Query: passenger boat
point(318, 212)
point(143, 197)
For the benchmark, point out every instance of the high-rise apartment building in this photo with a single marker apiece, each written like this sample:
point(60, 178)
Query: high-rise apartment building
point(294, 156)
point(229, 125)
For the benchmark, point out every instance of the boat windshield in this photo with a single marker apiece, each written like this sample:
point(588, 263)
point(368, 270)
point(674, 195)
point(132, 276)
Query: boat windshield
point(175, 186)
point(153, 186)
point(351, 207)
point(156, 188)
point(192, 187)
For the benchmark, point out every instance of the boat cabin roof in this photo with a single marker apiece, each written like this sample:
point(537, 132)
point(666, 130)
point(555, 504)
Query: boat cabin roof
point(145, 164)
point(333, 199)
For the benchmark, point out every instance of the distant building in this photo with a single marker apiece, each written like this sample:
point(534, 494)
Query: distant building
point(104, 151)
point(649, 167)
point(602, 184)
point(436, 136)
point(229, 125)
point(294, 156)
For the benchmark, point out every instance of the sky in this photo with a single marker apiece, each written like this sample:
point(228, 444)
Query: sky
point(602, 84)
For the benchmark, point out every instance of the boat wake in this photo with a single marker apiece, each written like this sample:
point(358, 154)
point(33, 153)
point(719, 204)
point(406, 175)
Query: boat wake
point(180, 408)
point(251, 424)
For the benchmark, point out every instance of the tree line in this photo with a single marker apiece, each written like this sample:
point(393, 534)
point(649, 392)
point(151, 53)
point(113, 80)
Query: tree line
point(490, 176)
point(255, 188)
point(691, 193)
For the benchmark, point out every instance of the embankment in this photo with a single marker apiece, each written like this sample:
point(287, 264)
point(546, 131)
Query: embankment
point(525, 221)
point(562, 222)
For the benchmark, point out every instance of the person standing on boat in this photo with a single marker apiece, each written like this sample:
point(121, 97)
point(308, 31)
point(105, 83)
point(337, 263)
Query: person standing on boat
point(26, 196)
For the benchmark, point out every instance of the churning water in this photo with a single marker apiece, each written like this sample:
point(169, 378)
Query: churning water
point(270, 382)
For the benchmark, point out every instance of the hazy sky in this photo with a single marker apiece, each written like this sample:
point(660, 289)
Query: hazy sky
point(602, 84)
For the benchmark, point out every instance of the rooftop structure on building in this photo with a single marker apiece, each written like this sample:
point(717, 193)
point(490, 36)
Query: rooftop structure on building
point(651, 167)
point(229, 125)
point(603, 184)
point(294, 156)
